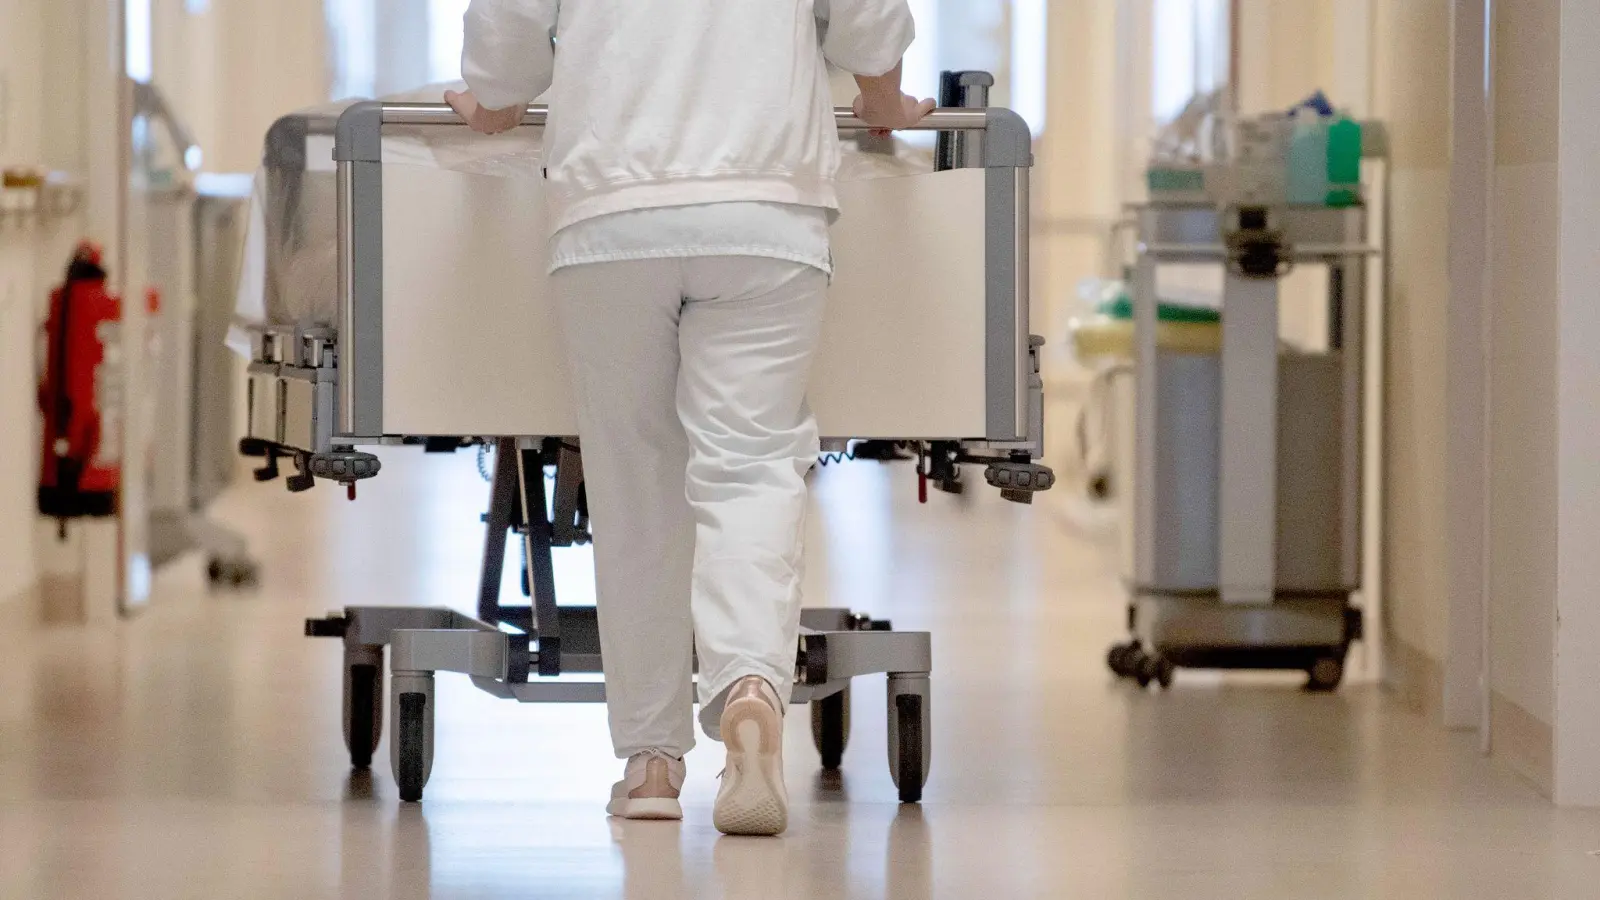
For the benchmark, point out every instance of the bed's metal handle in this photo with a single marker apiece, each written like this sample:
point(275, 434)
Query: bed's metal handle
point(441, 114)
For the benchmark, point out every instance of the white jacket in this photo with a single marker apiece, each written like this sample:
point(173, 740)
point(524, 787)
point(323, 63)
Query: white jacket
point(674, 102)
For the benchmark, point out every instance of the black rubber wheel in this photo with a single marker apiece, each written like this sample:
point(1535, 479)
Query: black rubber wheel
point(1123, 659)
point(364, 723)
point(1164, 671)
point(1325, 675)
point(1143, 666)
point(911, 734)
point(410, 733)
point(830, 727)
point(1114, 659)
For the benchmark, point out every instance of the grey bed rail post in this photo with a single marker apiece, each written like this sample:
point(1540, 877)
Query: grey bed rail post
point(962, 90)
point(1007, 161)
point(358, 153)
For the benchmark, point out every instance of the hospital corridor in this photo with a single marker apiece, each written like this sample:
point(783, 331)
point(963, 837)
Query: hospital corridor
point(1135, 449)
point(201, 756)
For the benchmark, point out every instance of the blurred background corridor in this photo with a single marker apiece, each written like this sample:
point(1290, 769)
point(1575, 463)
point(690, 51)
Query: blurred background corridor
point(1411, 709)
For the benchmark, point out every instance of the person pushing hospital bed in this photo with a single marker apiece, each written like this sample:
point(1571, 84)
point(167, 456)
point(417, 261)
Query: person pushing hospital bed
point(450, 322)
point(690, 157)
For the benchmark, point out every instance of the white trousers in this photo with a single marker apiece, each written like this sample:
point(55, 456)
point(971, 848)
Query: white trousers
point(690, 377)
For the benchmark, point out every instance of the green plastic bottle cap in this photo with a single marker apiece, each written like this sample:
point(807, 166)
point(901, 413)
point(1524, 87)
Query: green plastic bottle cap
point(1122, 308)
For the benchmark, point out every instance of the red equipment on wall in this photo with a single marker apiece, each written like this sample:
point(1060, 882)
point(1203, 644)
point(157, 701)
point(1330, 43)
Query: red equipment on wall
point(80, 396)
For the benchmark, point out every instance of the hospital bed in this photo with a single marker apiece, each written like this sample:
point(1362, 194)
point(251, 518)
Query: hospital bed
point(443, 334)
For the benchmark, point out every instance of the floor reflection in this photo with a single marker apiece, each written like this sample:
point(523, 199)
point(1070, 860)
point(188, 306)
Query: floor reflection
point(359, 785)
point(411, 866)
point(652, 860)
point(753, 868)
point(196, 751)
point(830, 786)
point(908, 863)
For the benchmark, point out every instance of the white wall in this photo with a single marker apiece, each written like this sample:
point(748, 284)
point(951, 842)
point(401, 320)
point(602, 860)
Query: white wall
point(230, 69)
point(1577, 651)
point(1523, 418)
point(1543, 430)
point(1411, 94)
point(21, 74)
point(186, 56)
point(1075, 192)
point(48, 67)
point(260, 60)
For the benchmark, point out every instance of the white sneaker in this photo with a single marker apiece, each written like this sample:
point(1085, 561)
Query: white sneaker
point(752, 799)
point(649, 788)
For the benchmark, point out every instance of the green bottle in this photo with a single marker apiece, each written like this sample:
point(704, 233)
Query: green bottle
point(1344, 162)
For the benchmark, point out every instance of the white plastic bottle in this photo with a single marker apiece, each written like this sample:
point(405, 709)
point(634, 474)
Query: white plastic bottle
point(1308, 160)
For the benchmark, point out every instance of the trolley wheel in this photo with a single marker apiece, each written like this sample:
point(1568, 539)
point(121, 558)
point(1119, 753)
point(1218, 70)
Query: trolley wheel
point(1151, 668)
point(1163, 670)
point(1143, 666)
point(910, 735)
point(1122, 659)
point(1325, 674)
point(411, 770)
point(363, 713)
point(830, 727)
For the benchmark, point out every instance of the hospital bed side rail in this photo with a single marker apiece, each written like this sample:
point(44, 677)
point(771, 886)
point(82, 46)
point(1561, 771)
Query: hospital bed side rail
point(393, 113)
point(1013, 405)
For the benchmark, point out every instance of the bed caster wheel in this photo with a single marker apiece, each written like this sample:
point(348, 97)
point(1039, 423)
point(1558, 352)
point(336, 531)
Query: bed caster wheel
point(411, 752)
point(409, 774)
point(830, 727)
point(910, 749)
point(344, 465)
point(234, 573)
point(1018, 481)
point(363, 704)
point(1325, 675)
